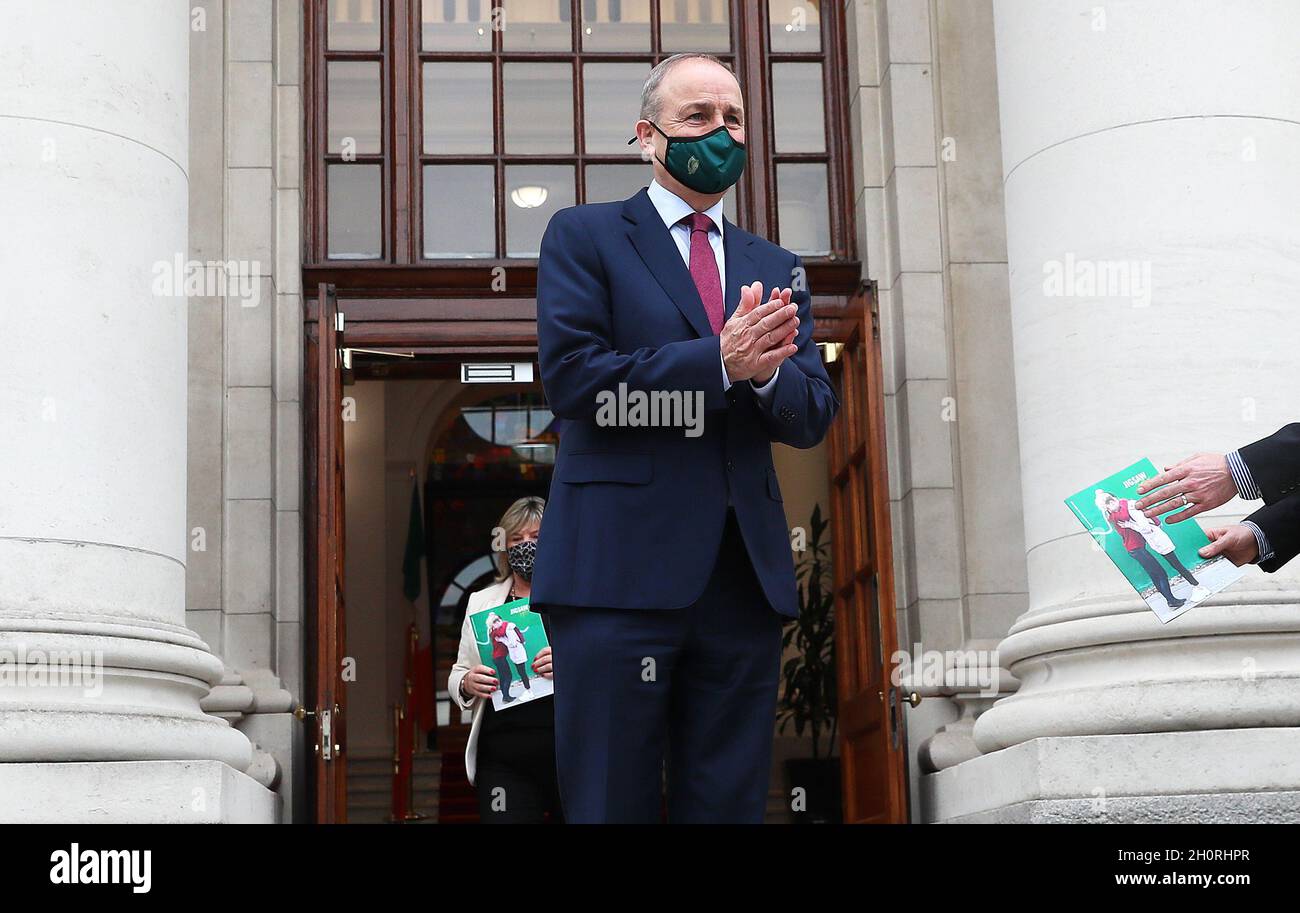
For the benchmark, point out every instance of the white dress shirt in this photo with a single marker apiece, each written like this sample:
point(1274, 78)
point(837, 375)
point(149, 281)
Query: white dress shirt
point(1247, 490)
point(672, 209)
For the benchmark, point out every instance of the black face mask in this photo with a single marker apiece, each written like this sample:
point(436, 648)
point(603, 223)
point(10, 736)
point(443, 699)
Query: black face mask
point(520, 557)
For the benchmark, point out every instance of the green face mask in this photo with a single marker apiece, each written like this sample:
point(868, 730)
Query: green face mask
point(707, 164)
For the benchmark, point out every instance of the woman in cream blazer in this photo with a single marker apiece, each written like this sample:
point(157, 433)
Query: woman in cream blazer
point(510, 754)
point(467, 658)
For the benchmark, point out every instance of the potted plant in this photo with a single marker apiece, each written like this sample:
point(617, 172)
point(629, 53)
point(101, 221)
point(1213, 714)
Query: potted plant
point(808, 698)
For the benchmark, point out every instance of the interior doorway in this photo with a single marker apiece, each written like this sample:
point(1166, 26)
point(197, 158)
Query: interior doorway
point(430, 465)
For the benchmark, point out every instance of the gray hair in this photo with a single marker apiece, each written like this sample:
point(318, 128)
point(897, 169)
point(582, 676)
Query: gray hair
point(518, 516)
point(650, 100)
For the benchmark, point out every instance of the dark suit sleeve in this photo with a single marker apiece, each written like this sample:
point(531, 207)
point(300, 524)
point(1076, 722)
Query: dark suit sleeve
point(1280, 523)
point(575, 334)
point(1274, 463)
point(804, 404)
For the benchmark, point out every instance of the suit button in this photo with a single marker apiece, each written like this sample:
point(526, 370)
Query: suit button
point(730, 465)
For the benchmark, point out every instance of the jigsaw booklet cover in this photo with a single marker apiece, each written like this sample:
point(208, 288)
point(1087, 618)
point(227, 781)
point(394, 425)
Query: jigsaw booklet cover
point(1161, 561)
point(509, 638)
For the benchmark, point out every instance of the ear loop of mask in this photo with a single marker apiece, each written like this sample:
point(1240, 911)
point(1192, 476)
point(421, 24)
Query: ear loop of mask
point(671, 139)
point(665, 135)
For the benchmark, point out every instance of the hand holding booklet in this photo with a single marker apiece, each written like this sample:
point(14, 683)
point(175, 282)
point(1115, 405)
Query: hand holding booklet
point(1160, 560)
point(509, 637)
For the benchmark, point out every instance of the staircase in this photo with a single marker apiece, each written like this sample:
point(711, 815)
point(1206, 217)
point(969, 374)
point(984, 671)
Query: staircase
point(370, 786)
point(459, 803)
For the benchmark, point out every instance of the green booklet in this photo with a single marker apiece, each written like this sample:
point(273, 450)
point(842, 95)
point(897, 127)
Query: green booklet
point(1160, 560)
point(509, 637)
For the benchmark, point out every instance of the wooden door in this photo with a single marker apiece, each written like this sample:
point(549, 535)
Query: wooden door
point(872, 752)
point(325, 717)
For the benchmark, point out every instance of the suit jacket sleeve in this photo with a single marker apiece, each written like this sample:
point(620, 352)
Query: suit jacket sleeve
point(575, 334)
point(1280, 522)
point(1274, 464)
point(800, 410)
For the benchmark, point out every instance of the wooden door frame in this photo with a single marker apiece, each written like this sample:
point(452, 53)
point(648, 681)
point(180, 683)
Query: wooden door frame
point(469, 331)
point(324, 707)
point(501, 327)
point(872, 728)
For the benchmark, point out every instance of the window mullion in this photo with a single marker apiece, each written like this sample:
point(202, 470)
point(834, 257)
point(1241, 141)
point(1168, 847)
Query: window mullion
point(401, 60)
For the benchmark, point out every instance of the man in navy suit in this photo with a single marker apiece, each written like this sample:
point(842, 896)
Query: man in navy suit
point(664, 559)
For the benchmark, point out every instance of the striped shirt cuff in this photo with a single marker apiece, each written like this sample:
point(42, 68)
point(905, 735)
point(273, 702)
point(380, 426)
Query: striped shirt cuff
point(1246, 487)
point(1265, 550)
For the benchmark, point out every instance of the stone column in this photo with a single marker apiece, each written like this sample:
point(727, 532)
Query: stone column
point(93, 179)
point(1160, 135)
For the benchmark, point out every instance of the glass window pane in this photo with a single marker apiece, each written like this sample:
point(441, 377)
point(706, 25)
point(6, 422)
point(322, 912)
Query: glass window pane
point(606, 183)
point(797, 107)
point(540, 420)
point(510, 424)
point(612, 104)
point(534, 193)
point(355, 212)
point(456, 25)
point(537, 25)
point(354, 25)
point(539, 107)
point(354, 99)
point(459, 211)
point(616, 25)
point(695, 25)
point(795, 25)
point(457, 108)
point(802, 210)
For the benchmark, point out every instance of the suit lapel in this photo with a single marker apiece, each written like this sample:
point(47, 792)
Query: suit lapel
point(657, 249)
point(740, 264)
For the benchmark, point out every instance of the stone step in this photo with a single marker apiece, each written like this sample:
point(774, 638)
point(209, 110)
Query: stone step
point(387, 777)
point(419, 762)
point(425, 805)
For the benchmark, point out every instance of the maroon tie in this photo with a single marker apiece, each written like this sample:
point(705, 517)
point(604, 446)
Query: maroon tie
point(704, 268)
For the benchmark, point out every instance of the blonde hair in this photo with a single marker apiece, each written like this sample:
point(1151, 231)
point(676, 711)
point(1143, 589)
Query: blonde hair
point(519, 515)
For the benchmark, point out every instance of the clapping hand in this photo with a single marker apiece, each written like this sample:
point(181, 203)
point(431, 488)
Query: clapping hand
point(758, 337)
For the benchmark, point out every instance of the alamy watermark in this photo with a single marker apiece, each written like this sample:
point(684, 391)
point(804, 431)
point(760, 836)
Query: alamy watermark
point(964, 670)
point(236, 279)
point(74, 669)
point(1081, 278)
point(651, 409)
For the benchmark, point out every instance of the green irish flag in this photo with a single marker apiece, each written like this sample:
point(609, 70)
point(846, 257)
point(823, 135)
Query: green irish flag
point(414, 547)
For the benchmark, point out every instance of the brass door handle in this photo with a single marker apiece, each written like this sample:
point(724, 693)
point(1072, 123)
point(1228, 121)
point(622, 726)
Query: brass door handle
point(302, 712)
point(912, 698)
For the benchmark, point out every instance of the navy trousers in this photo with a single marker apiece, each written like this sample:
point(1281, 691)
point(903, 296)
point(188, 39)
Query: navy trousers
point(690, 693)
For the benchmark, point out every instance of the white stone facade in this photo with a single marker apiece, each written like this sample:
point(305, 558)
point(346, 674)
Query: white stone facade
point(151, 458)
point(999, 136)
